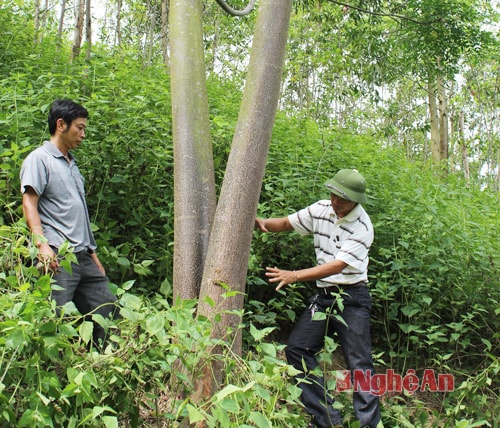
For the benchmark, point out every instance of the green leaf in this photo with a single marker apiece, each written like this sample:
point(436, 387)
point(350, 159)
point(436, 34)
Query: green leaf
point(258, 335)
point(110, 421)
point(260, 420)
point(231, 389)
point(194, 414)
point(85, 331)
point(155, 324)
point(268, 349)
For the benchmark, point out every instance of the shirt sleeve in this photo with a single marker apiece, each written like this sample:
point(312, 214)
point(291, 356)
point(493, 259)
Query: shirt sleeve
point(354, 250)
point(302, 221)
point(33, 174)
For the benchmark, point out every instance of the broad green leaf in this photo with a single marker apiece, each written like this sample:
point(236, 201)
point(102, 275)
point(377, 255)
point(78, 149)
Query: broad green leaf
point(85, 330)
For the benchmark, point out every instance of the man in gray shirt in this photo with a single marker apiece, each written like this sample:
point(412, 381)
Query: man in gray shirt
point(56, 212)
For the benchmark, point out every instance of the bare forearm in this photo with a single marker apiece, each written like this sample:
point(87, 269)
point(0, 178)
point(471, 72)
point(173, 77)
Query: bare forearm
point(320, 271)
point(285, 277)
point(281, 224)
point(30, 211)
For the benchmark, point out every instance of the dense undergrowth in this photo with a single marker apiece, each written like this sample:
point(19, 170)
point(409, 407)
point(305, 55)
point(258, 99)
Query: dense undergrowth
point(434, 265)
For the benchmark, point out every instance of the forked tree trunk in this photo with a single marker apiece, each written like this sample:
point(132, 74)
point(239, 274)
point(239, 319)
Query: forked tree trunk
point(438, 111)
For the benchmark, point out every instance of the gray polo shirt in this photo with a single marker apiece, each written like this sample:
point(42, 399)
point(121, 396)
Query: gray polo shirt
point(348, 239)
point(61, 204)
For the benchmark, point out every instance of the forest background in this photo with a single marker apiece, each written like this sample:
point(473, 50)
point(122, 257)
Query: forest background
point(406, 93)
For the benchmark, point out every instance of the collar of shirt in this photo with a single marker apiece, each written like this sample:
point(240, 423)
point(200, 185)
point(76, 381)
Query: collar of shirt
point(54, 151)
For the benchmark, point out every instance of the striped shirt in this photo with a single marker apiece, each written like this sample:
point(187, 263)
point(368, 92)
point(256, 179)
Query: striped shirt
point(348, 239)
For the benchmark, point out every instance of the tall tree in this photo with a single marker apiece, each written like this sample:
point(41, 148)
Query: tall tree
point(88, 29)
point(224, 275)
point(78, 31)
point(118, 29)
point(194, 182)
point(61, 24)
point(164, 31)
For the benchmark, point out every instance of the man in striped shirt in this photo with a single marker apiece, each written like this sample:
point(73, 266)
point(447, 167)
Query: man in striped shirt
point(343, 234)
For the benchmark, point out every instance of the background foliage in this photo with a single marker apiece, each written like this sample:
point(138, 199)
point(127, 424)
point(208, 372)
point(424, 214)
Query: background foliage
point(434, 264)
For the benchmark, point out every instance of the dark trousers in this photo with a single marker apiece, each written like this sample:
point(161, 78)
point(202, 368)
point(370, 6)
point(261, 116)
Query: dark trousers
point(307, 339)
point(88, 288)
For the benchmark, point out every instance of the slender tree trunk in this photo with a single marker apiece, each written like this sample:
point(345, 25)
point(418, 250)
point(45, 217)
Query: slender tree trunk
point(194, 181)
point(151, 37)
point(164, 31)
point(78, 34)
point(61, 25)
point(224, 276)
point(37, 20)
point(118, 33)
point(443, 121)
point(434, 118)
point(463, 147)
point(42, 21)
point(88, 29)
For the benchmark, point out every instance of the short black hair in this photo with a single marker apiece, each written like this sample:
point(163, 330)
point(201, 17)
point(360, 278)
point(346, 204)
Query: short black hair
point(66, 110)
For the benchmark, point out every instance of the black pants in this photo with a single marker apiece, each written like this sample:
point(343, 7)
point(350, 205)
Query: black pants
point(88, 288)
point(307, 339)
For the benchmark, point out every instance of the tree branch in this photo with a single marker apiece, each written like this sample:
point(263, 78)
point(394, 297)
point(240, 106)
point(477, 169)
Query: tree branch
point(235, 12)
point(390, 15)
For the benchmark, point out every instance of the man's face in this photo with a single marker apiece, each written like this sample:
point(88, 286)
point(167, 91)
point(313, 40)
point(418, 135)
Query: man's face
point(74, 133)
point(341, 206)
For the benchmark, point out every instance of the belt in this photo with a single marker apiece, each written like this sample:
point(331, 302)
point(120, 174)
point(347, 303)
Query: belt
point(337, 287)
point(86, 250)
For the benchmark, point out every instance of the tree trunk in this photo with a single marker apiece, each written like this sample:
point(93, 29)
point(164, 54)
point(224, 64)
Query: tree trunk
point(443, 121)
point(463, 146)
point(118, 33)
point(151, 32)
point(194, 180)
point(224, 276)
point(88, 30)
point(434, 118)
point(37, 20)
point(77, 39)
point(164, 31)
point(61, 25)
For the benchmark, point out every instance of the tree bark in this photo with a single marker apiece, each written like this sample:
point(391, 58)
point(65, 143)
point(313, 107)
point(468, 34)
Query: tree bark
point(194, 179)
point(118, 33)
point(443, 121)
point(463, 146)
point(151, 31)
point(37, 20)
point(77, 39)
point(61, 25)
point(227, 258)
point(433, 113)
point(88, 29)
point(164, 31)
